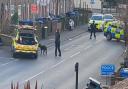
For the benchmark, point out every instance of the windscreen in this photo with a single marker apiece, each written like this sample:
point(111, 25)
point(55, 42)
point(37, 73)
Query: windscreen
point(108, 17)
point(96, 18)
point(26, 30)
point(26, 39)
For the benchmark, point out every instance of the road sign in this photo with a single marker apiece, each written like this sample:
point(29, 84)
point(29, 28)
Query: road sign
point(107, 69)
point(34, 9)
point(92, 1)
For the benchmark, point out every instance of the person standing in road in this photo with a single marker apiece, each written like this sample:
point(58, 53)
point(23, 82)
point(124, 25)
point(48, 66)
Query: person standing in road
point(57, 42)
point(93, 30)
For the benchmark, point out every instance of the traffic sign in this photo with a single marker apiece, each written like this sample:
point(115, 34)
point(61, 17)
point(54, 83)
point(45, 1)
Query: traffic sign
point(34, 9)
point(107, 69)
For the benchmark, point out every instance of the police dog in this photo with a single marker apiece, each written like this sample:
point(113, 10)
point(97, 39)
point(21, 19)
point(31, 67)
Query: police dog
point(43, 49)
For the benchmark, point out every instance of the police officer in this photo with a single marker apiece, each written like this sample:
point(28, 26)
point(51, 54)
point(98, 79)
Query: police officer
point(57, 42)
point(93, 30)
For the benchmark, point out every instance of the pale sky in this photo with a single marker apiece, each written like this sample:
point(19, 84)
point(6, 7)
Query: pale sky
point(97, 4)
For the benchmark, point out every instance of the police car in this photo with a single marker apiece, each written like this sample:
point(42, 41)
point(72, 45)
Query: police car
point(115, 31)
point(99, 21)
point(93, 84)
point(25, 41)
point(109, 17)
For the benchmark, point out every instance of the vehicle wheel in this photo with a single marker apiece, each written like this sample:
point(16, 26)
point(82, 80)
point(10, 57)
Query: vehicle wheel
point(109, 37)
point(14, 55)
point(35, 56)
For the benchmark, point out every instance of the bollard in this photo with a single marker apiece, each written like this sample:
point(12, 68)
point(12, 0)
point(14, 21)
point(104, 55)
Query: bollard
point(76, 70)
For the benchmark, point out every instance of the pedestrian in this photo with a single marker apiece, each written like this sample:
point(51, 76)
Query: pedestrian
point(71, 24)
point(93, 30)
point(57, 42)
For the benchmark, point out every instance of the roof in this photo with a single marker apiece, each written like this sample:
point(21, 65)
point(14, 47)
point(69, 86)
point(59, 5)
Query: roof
point(26, 22)
point(94, 80)
point(108, 14)
point(97, 14)
point(26, 26)
point(121, 85)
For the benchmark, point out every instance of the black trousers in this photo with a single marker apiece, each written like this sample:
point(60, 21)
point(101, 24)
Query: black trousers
point(94, 33)
point(70, 28)
point(57, 47)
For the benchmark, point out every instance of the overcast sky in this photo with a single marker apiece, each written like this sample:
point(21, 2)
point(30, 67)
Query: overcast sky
point(97, 4)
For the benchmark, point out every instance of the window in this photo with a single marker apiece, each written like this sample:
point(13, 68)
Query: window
point(108, 17)
point(26, 39)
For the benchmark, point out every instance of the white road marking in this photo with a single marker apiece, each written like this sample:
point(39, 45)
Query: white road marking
point(8, 63)
point(4, 64)
point(69, 39)
point(74, 54)
point(6, 58)
point(44, 71)
point(88, 47)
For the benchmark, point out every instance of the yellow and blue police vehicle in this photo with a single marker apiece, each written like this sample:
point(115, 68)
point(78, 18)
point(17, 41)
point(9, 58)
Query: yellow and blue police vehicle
point(99, 21)
point(115, 31)
point(25, 41)
point(109, 17)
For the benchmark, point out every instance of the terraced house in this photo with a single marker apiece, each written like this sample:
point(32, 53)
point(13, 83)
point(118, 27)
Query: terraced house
point(30, 9)
point(41, 7)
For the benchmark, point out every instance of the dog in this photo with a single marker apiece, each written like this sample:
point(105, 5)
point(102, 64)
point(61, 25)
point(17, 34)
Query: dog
point(43, 49)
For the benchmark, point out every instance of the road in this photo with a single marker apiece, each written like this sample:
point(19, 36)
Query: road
point(58, 72)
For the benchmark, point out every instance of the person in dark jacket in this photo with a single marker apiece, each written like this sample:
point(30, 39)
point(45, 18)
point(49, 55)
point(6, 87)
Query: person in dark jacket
point(57, 42)
point(93, 30)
